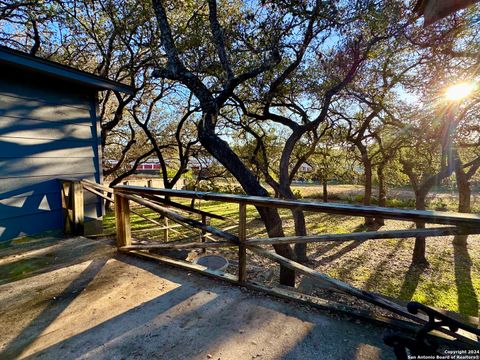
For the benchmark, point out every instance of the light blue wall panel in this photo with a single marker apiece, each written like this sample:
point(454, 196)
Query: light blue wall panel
point(48, 131)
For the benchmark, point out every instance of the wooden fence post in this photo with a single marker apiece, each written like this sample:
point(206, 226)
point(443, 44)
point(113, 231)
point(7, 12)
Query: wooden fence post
point(73, 207)
point(203, 238)
point(76, 194)
point(65, 187)
point(165, 231)
point(122, 218)
point(242, 249)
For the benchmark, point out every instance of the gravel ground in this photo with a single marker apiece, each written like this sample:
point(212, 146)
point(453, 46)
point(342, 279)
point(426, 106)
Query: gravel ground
point(77, 298)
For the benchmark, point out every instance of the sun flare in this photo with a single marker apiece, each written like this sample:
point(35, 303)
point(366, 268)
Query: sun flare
point(459, 91)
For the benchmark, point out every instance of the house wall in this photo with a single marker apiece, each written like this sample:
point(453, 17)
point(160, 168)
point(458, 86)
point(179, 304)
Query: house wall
point(48, 130)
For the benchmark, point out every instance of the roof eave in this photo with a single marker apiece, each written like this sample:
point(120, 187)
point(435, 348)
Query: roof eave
point(37, 64)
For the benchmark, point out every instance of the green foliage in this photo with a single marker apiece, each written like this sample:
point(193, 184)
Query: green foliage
point(297, 193)
point(213, 186)
point(188, 175)
point(441, 204)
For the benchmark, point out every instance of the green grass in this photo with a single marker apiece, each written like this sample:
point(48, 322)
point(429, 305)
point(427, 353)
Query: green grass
point(451, 282)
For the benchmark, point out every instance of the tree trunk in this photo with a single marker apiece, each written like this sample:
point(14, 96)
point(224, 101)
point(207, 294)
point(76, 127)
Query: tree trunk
point(221, 151)
point(325, 189)
point(464, 193)
point(382, 193)
point(273, 224)
point(419, 258)
point(421, 192)
point(300, 230)
point(367, 195)
point(464, 201)
point(300, 226)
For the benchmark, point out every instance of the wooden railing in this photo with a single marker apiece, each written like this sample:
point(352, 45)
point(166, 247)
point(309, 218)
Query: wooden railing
point(72, 206)
point(72, 194)
point(160, 201)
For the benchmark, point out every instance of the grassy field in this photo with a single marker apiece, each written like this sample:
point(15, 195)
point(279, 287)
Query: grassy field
point(438, 199)
point(451, 282)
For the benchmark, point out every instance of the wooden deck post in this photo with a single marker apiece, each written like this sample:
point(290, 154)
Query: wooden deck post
point(203, 238)
point(65, 187)
point(165, 230)
point(122, 218)
point(72, 207)
point(78, 216)
point(242, 237)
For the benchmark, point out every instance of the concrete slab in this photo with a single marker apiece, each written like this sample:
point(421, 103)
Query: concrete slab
point(79, 299)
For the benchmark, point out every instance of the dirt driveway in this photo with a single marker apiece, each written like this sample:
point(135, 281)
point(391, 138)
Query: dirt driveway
point(77, 298)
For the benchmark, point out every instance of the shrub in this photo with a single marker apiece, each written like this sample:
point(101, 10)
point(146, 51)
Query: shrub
point(438, 204)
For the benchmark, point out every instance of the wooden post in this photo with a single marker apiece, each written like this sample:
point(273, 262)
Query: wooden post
point(78, 217)
point(122, 218)
point(202, 236)
point(66, 206)
point(165, 231)
point(242, 249)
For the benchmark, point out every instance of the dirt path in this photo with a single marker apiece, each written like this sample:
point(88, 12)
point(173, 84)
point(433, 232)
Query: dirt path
point(82, 300)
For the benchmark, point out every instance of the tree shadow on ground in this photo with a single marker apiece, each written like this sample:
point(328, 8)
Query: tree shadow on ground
point(322, 250)
point(55, 307)
point(467, 297)
point(410, 281)
point(344, 250)
point(210, 319)
point(197, 318)
point(378, 275)
point(45, 255)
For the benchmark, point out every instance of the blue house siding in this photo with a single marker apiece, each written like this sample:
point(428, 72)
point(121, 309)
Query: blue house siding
point(48, 130)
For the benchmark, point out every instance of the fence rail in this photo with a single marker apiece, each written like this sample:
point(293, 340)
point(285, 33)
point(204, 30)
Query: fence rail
point(433, 217)
point(160, 201)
